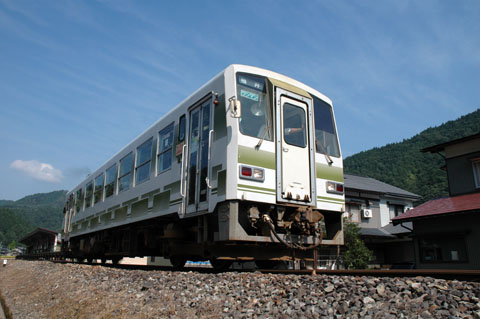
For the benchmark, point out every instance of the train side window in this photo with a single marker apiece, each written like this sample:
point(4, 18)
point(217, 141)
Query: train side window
point(111, 177)
point(181, 128)
point(99, 183)
point(125, 178)
point(79, 200)
point(88, 194)
point(143, 163)
point(165, 153)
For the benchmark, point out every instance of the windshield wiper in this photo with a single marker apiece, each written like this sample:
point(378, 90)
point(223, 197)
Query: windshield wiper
point(329, 159)
point(267, 129)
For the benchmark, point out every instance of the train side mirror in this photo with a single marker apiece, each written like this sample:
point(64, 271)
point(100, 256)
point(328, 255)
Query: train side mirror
point(235, 107)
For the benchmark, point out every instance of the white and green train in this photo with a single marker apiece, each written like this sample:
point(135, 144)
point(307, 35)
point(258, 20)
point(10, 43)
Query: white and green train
point(248, 167)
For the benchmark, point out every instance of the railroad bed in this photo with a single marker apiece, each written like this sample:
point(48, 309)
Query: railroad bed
point(41, 289)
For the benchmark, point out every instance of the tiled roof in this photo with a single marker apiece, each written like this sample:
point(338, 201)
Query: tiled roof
point(369, 184)
point(375, 232)
point(448, 205)
point(398, 229)
point(388, 231)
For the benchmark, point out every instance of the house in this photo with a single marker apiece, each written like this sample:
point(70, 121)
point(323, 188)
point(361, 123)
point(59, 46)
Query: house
point(41, 240)
point(447, 230)
point(372, 204)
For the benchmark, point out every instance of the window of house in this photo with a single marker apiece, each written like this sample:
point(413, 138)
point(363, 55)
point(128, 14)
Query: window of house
point(125, 175)
point(111, 177)
point(353, 211)
point(396, 210)
point(143, 163)
point(443, 249)
point(165, 152)
point(88, 195)
point(79, 200)
point(476, 172)
point(99, 183)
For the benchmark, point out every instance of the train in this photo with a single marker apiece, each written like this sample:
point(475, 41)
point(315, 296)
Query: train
point(247, 168)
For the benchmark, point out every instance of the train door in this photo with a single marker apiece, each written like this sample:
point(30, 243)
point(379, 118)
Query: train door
point(198, 166)
point(295, 157)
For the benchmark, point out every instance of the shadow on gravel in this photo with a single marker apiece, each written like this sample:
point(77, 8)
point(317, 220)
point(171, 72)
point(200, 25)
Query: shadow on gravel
point(6, 310)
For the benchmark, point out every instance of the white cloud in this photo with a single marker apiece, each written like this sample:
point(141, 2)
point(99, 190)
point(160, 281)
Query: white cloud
point(41, 171)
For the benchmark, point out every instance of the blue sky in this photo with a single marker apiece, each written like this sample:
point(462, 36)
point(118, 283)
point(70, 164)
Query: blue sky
point(80, 79)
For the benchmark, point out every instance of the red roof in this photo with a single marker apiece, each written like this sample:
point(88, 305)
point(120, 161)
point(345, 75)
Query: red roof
point(448, 205)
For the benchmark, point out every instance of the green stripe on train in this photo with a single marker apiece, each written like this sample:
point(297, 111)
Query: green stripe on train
point(321, 198)
point(256, 192)
point(269, 190)
point(330, 173)
point(251, 156)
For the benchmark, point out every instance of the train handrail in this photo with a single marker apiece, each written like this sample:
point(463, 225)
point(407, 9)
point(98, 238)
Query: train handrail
point(210, 141)
point(182, 172)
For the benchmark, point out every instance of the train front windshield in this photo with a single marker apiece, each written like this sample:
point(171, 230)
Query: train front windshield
point(256, 117)
point(326, 141)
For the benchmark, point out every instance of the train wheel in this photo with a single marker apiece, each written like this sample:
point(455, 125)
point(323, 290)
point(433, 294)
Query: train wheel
point(177, 261)
point(116, 260)
point(220, 264)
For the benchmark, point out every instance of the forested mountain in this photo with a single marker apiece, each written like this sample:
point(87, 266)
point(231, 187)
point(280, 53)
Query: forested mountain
point(17, 218)
point(403, 165)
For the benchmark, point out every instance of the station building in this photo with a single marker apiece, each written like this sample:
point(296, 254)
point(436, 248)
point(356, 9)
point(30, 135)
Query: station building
point(41, 240)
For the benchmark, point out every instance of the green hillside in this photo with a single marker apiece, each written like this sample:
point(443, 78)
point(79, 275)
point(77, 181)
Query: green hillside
point(403, 165)
point(22, 216)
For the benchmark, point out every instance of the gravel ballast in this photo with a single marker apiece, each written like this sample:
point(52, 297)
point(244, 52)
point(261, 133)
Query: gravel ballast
point(41, 289)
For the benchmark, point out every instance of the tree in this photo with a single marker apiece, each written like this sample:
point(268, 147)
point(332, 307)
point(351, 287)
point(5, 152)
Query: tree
point(357, 254)
point(12, 245)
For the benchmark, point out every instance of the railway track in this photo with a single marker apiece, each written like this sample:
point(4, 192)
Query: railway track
point(448, 274)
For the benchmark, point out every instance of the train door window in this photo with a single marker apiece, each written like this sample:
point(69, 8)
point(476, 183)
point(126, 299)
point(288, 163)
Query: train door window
point(325, 133)
point(71, 203)
point(111, 177)
point(143, 163)
point(99, 183)
point(165, 151)
point(204, 145)
point(181, 128)
point(125, 175)
point(294, 125)
point(79, 200)
point(88, 194)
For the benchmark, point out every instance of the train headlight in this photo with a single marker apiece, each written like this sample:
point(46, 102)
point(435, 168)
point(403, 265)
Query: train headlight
point(335, 188)
point(252, 173)
point(258, 173)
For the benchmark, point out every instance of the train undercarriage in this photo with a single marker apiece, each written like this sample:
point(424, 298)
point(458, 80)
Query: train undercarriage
point(235, 231)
